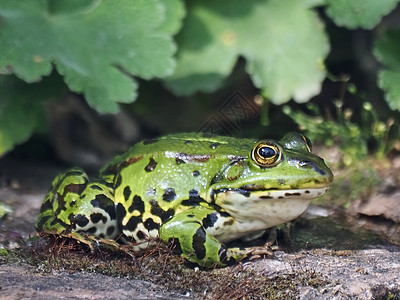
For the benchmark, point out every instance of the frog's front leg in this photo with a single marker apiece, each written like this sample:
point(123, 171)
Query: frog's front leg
point(192, 232)
point(73, 206)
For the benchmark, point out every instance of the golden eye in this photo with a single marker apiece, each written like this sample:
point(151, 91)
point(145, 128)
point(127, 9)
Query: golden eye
point(266, 154)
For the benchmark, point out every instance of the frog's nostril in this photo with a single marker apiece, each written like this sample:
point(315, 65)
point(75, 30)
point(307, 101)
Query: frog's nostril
point(306, 163)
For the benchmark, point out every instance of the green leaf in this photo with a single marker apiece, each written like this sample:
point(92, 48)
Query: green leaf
point(389, 81)
point(386, 50)
point(95, 45)
point(69, 6)
point(17, 123)
point(284, 59)
point(175, 11)
point(359, 13)
point(21, 108)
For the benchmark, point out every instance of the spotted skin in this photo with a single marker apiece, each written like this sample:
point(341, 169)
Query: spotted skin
point(195, 191)
point(73, 204)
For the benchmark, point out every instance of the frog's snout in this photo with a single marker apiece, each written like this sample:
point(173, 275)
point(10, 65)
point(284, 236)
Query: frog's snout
point(318, 166)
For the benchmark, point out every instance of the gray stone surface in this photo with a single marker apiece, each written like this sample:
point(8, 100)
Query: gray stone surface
point(23, 282)
point(361, 274)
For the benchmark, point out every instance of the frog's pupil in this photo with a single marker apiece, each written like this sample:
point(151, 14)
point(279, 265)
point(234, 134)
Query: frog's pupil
point(267, 152)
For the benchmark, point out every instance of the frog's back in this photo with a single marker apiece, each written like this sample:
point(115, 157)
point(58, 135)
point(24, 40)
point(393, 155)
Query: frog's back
point(193, 144)
point(156, 179)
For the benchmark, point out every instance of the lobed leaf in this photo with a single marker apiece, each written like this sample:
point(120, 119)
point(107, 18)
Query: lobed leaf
point(386, 50)
point(95, 45)
point(359, 13)
point(389, 81)
point(21, 108)
point(284, 58)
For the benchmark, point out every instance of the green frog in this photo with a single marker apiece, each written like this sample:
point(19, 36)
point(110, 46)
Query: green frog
point(196, 191)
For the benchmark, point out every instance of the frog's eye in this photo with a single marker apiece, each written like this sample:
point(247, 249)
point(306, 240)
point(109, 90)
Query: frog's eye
point(266, 154)
point(296, 141)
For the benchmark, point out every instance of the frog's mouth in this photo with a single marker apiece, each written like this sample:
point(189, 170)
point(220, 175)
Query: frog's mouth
point(308, 193)
point(256, 210)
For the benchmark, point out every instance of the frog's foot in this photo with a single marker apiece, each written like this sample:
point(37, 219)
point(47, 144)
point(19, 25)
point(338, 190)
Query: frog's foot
point(95, 243)
point(113, 246)
point(81, 238)
point(287, 230)
point(237, 254)
point(272, 236)
point(284, 231)
point(76, 237)
point(92, 242)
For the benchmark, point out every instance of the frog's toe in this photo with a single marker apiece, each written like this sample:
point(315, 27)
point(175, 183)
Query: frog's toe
point(95, 243)
point(85, 239)
point(251, 253)
point(115, 247)
point(256, 252)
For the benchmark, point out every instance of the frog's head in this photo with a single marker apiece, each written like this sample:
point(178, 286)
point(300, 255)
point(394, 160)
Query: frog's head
point(272, 183)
